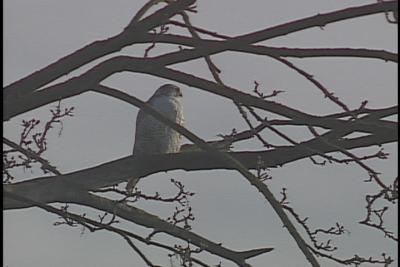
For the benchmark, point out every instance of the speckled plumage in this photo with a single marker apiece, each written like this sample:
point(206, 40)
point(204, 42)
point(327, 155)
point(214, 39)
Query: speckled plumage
point(153, 136)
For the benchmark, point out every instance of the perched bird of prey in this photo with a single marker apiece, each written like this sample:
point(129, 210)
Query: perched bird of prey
point(153, 136)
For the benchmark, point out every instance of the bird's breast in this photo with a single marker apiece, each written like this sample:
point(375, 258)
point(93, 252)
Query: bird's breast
point(153, 136)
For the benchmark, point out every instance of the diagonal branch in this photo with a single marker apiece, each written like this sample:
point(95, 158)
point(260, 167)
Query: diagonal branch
point(147, 220)
point(93, 51)
point(226, 158)
point(52, 189)
point(86, 81)
point(88, 53)
point(271, 106)
point(273, 51)
point(321, 87)
point(32, 155)
point(319, 20)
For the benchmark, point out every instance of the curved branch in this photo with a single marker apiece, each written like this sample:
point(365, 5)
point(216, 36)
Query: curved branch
point(42, 77)
point(89, 80)
point(93, 51)
point(237, 165)
point(271, 106)
point(145, 219)
point(277, 31)
point(50, 188)
point(274, 51)
point(148, 220)
point(213, 154)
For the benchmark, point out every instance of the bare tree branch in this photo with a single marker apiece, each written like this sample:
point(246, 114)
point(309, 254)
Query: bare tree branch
point(274, 51)
point(28, 94)
point(184, 55)
point(92, 51)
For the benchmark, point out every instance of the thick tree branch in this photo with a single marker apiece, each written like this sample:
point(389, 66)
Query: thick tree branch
point(145, 219)
point(89, 80)
point(50, 189)
point(238, 166)
point(271, 106)
point(93, 51)
point(274, 51)
point(23, 96)
point(277, 31)
point(13, 106)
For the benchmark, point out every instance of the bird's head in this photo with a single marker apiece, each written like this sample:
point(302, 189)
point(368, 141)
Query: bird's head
point(168, 90)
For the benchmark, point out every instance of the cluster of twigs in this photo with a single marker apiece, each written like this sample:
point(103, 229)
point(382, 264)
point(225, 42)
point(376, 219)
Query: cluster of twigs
point(71, 219)
point(32, 144)
point(388, 194)
point(183, 211)
point(184, 254)
point(324, 249)
point(24, 95)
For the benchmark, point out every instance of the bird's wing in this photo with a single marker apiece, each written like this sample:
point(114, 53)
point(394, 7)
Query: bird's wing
point(139, 119)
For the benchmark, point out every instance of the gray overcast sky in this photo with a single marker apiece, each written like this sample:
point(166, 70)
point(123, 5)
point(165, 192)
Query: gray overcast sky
point(227, 209)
